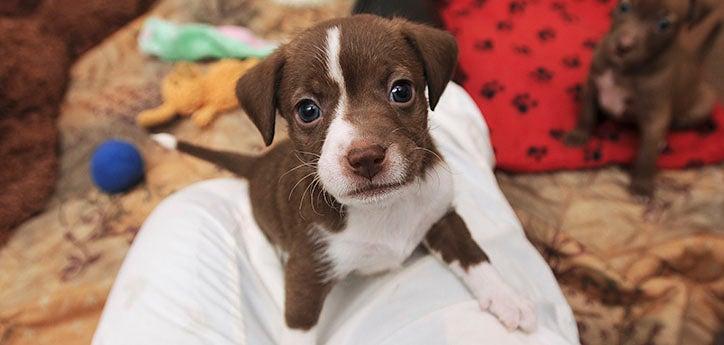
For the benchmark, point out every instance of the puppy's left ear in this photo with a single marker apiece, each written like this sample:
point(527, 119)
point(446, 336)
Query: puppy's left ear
point(438, 52)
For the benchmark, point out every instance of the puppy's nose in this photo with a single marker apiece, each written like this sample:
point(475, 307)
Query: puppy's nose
point(625, 44)
point(366, 161)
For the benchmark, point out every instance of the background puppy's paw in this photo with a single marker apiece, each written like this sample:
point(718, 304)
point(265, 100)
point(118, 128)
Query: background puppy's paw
point(642, 189)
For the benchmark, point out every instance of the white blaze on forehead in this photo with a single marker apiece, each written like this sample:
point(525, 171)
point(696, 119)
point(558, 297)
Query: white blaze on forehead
point(334, 38)
point(340, 132)
point(334, 68)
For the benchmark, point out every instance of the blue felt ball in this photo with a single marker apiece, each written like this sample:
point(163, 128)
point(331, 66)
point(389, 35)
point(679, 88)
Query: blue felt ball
point(116, 166)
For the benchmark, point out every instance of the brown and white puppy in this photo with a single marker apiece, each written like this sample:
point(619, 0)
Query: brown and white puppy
point(647, 71)
point(359, 184)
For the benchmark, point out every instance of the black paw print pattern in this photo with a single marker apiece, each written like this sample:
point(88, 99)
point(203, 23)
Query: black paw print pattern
point(590, 43)
point(523, 102)
point(491, 89)
point(707, 128)
point(592, 154)
point(504, 25)
point(557, 133)
point(562, 10)
point(606, 132)
point(542, 74)
point(571, 61)
point(575, 91)
point(479, 3)
point(558, 6)
point(522, 49)
point(537, 152)
point(546, 34)
point(666, 150)
point(517, 6)
point(485, 45)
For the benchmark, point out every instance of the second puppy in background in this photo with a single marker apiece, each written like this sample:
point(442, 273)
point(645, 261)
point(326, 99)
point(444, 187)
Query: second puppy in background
point(647, 71)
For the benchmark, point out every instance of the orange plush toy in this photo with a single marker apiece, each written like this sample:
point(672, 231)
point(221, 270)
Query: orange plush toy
point(188, 90)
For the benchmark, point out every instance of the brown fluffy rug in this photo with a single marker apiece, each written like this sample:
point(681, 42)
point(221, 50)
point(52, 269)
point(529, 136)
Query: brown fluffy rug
point(38, 42)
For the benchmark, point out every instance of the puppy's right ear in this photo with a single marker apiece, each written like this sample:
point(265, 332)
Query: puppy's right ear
point(257, 91)
point(697, 11)
point(438, 52)
point(705, 24)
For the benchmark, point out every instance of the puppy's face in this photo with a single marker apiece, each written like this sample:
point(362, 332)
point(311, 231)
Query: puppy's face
point(353, 93)
point(642, 29)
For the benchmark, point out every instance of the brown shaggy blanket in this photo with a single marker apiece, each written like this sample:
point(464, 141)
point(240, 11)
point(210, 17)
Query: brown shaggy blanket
point(38, 42)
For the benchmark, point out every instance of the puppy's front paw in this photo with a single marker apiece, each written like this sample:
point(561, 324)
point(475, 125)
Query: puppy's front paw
point(494, 295)
point(512, 310)
point(575, 138)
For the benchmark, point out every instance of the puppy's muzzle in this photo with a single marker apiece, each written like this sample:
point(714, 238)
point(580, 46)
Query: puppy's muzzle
point(366, 160)
point(625, 45)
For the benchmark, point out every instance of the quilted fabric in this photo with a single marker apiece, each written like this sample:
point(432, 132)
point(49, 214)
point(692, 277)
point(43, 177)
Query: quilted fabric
point(524, 62)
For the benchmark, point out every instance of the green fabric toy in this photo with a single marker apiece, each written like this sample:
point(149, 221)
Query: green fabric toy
point(173, 42)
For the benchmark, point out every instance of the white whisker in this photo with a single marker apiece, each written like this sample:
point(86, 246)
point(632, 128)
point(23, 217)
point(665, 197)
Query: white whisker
point(298, 182)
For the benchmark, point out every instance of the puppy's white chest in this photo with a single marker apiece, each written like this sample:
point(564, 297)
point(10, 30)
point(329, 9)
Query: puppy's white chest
point(362, 255)
point(612, 97)
point(382, 237)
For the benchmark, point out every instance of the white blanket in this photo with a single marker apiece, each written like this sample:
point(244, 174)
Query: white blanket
point(201, 272)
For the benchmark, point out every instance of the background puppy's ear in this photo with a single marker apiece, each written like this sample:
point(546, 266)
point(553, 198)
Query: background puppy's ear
point(257, 91)
point(705, 23)
point(698, 9)
point(438, 52)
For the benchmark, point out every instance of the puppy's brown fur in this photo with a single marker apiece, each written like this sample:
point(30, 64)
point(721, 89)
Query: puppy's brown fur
point(647, 71)
point(287, 202)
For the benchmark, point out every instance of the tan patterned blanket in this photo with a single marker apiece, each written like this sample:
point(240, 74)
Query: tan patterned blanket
point(633, 274)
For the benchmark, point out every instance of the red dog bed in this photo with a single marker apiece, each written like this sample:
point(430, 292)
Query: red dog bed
point(524, 61)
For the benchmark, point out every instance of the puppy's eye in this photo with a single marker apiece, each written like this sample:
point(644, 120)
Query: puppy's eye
point(401, 92)
point(624, 7)
point(308, 111)
point(663, 24)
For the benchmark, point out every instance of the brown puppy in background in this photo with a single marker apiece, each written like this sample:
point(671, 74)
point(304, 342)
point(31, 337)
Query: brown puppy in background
point(359, 183)
point(648, 71)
